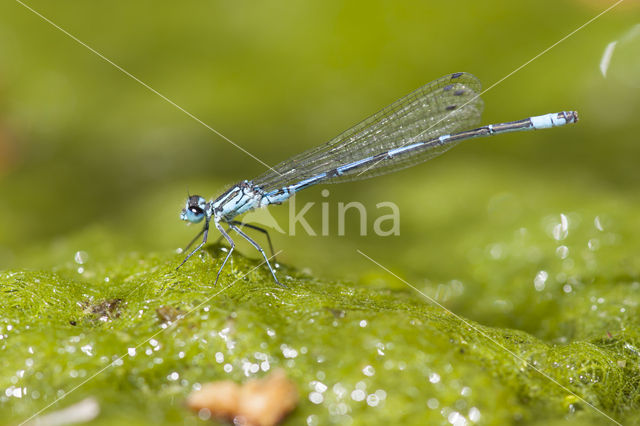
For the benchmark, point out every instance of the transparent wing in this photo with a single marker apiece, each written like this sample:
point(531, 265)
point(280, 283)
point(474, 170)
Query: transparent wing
point(447, 105)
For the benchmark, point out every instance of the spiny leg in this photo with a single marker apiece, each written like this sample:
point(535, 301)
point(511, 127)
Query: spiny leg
point(194, 240)
point(257, 228)
point(233, 246)
point(253, 243)
point(221, 236)
point(205, 231)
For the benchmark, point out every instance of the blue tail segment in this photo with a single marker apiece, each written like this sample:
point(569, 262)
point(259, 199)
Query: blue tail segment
point(412, 130)
point(539, 122)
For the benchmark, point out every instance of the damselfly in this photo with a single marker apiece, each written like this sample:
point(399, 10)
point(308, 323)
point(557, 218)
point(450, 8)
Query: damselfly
point(414, 129)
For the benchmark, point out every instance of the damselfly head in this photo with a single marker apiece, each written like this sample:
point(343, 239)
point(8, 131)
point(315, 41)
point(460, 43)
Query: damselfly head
point(194, 209)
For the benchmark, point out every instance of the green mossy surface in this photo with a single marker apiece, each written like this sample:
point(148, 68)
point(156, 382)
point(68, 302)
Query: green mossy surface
point(375, 355)
point(531, 238)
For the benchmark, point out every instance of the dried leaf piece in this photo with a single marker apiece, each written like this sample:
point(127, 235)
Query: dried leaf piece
point(262, 402)
point(265, 402)
point(220, 398)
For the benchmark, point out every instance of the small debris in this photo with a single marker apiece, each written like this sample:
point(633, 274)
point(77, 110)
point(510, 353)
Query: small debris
point(104, 310)
point(168, 314)
point(259, 402)
point(337, 313)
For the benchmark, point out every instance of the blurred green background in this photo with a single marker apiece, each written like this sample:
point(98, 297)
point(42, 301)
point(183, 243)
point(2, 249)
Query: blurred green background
point(533, 231)
point(85, 151)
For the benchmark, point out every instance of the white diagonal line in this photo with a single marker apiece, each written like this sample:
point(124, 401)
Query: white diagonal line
point(128, 74)
point(136, 347)
point(503, 79)
point(485, 335)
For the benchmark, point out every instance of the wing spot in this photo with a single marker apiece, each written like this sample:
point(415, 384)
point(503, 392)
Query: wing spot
point(459, 93)
point(456, 75)
point(450, 107)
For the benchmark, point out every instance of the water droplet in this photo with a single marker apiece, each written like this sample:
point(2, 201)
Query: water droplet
point(496, 251)
point(319, 386)
point(474, 414)
point(456, 419)
point(562, 252)
point(372, 400)
point(316, 397)
point(561, 230)
point(369, 370)
point(288, 352)
point(204, 414)
point(624, 69)
point(81, 257)
point(358, 395)
point(87, 349)
point(540, 280)
point(339, 390)
point(598, 223)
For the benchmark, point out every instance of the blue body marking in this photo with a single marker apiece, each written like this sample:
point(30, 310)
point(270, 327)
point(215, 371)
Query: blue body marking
point(412, 130)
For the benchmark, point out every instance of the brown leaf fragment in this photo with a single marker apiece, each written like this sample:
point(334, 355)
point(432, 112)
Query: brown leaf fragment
point(259, 402)
point(168, 314)
point(220, 398)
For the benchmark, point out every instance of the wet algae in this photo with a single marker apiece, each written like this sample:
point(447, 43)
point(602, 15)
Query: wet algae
point(138, 336)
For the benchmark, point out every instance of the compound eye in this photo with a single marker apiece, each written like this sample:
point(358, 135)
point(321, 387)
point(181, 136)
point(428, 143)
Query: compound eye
point(192, 214)
point(196, 210)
